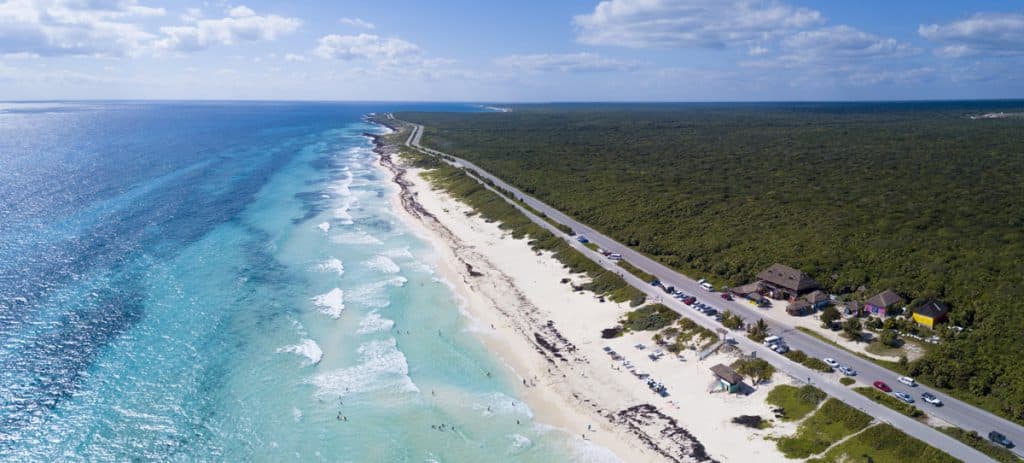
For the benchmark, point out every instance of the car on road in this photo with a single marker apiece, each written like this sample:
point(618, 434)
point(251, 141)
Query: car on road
point(881, 386)
point(848, 371)
point(781, 348)
point(727, 296)
point(999, 438)
point(907, 381)
point(904, 397)
point(930, 398)
point(831, 362)
point(582, 239)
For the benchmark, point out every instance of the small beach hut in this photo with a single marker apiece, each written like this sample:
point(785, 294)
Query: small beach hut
point(930, 313)
point(728, 379)
point(882, 302)
point(818, 299)
point(799, 308)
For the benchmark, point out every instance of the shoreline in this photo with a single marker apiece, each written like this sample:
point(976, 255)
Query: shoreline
point(549, 336)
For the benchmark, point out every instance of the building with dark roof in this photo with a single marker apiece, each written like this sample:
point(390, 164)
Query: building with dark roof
point(728, 378)
point(930, 313)
point(882, 302)
point(784, 282)
point(818, 299)
point(799, 308)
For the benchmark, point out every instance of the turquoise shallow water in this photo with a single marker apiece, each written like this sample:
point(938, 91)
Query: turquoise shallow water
point(222, 282)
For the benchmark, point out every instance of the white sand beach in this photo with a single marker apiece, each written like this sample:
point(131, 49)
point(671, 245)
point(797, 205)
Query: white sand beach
point(524, 314)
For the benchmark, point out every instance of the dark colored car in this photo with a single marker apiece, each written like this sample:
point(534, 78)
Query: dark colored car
point(670, 289)
point(655, 282)
point(690, 300)
point(882, 386)
point(1000, 439)
point(726, 296)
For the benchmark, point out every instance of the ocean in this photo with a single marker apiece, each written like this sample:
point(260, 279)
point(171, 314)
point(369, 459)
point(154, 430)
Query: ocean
point(191, 281)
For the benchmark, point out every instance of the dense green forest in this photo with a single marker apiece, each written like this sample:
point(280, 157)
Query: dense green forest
point(916, 197)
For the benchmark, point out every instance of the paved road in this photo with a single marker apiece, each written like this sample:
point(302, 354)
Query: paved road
point(954, 411)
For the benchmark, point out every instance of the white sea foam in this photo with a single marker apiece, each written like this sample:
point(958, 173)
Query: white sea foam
point(341, 187)
point(496, 403)
point(356, 238)
point(382, 367)
point(375, 294)
point(519, 443)
point(341, 213)
point(296, 414)
point(332, 265)
point(331, 303)
point(383, 264)
point(398, 253)
point(307, 348)
point(324, 226)
point(373, 322)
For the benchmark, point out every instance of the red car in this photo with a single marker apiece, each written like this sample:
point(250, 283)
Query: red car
point(690, 300)
point(726, 296)
point(882, 386)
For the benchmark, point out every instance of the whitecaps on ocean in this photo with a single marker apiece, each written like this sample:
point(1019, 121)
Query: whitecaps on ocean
point(331, 303)
point(373, 322)
point(382, 264)
point(332, 265)
point(382, 367)
point(307, 348)
point(374, 294)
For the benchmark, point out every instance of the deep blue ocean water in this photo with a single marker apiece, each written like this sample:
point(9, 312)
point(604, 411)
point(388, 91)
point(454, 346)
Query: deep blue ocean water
point(223, 282)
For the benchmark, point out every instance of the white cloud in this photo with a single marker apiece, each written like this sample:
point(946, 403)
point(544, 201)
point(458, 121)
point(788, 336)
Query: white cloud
point(364, 46)
point(690, 23)
point(357, 22)
point(571, 62)
point(983, 33)
point(842, 42)
point(65, 27)
point(241, 24)
point(292, 57)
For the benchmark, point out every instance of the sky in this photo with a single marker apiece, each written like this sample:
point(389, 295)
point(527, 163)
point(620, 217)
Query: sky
point(513, 51)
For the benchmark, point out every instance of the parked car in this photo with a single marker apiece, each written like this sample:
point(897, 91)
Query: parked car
point(831, 362)
point(690, 300)
point(1000, 439)
point(582, 239)
point(655, 282)
point(707, 286)
point(670, 289)
point(881, 386)
point(772, 340)
point(781, 348)
point(718, 317)
point(710, 312)
point(727, 296)
point(930, 398)
point(907, 381)
point(848, 371)
point(904, 397)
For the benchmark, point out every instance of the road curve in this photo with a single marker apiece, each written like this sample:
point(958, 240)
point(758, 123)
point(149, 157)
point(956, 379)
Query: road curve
point(954, 411)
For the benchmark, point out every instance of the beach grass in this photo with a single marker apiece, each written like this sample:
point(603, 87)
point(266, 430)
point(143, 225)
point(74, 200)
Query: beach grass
point(979, 443)
point(831, 423)
point(883, 443)
point(493, 207)
point(891, 402)
point(636, 271)
point(796, 402)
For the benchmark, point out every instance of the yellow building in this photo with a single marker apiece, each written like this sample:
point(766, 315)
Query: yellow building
point(930, 313)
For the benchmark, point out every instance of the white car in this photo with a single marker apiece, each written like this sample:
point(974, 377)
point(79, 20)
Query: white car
point(831, 362)
point(907, 380)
